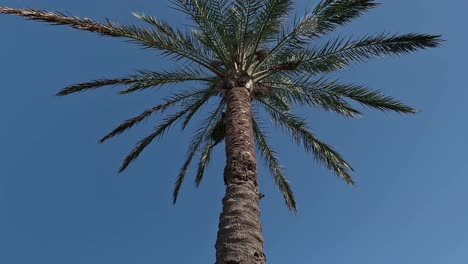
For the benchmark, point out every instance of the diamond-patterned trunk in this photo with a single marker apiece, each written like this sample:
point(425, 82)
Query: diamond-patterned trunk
point(240, 238)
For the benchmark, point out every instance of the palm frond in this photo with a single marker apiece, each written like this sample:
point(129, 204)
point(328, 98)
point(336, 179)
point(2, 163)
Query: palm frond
point(271, 161)
point(57, 18)
point(299, 132)
point(304, 93)
point(339, 53)
point(271, 16)
point(363, 95)
point(333, 13)
point(158, 131)
point(169, 41)
point(172, 42)
point(149, 79)
point(142, 80)
point(242, 14)
point(330, 95)
point(203, 100)
point(280, 102)
point(212, 138)
point(197, 140)
point(171, 101)
point(203, 162)
point(208, 19)
point(94, 85)
point(175, 37)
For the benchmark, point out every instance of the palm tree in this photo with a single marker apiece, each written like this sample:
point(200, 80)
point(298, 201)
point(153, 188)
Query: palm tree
point(246, 57)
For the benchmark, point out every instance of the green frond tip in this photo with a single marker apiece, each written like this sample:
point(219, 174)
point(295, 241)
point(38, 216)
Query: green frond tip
point(80, 87)
point(181, 176)
point(203, 162)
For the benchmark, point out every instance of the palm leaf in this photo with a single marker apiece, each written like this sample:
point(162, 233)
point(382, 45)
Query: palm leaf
point(330, 95)
point(339, 53)
point(268, 22)
point(332, 13)
point(321, 151)
point(94, 85)
point(142, 80)
point(149, 79)
point(171, 101)
point(363, 95)
point(158, 131)
point(197, 140)
point(271, 161)
point(57, 18)
point(176, 44)
point(203, 162)
point(210, 91)
point(241, 15)
point(306, 94)
point(209, 20)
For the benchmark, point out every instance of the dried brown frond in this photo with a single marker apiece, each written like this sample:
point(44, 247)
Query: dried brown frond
point(61, 19)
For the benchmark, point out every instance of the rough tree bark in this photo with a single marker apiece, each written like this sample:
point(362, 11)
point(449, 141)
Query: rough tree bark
point(240, 239)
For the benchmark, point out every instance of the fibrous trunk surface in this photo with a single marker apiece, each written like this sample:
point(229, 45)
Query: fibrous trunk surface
point(240, 238)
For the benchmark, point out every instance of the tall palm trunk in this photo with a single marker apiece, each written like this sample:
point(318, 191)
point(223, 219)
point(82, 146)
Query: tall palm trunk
point(240, 238)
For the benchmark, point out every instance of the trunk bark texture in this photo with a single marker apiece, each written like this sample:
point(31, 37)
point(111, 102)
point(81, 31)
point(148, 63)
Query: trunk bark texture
point(240, 239)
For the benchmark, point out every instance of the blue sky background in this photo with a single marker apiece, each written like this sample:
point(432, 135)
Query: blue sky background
point(61, 200)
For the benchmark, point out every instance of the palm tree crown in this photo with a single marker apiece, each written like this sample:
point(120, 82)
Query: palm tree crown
point(251, 40)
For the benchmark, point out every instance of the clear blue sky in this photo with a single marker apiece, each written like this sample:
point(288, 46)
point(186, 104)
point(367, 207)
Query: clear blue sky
point(61, 200)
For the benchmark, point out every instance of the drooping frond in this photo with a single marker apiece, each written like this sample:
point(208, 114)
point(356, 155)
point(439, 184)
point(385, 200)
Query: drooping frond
point(300, 133)
point(280, 102)
point(142, 144)
point(159, 130)
point(142, 80)
point(169, 102)
point(196, 107)
point(205, 156)
point(165, 39)
point(213, 138)
point(271, 161)
point(200, 135)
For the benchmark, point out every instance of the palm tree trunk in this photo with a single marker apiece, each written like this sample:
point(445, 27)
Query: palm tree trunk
point(240, 238)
